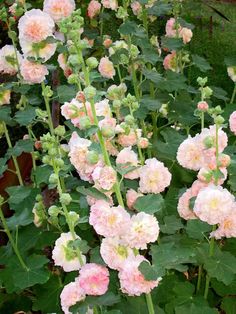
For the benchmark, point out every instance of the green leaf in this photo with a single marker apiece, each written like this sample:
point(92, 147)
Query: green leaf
point(93, 192)
point(150, 104)
point(21, 218)
point(152, 75)
point(201, 63)
point(232, 175)
point(229, 305)
point(128, 28)
point(171, 224)
point(42, 174)
point(149, 204)
point(47, 296)
point(21, 146)
point(194, 309)
point(26, 116)
point(172, 43)
point(160, 8)
point(196, 229)
point(66, 93)
point(221, 266)
point(3, 166)
point(219, 93)
point(222, 289)
point(173, 82)
point(5, 115)
point(148, 271)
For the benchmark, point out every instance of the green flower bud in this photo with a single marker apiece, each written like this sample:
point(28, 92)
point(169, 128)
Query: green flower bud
point(92, 157)
point(59, 162)
point(90, 92)
point(202, 81)
point(116, 104)
point(107, 131)
point(74, 218)
point(53, 211)
point(41, 113)
point(60, 130)
point(84, 123)
point(73, 79)
point(134, 52)
point(46, 160)
point(47, 92)
point(207, 92)
point(52, 151)
point(219, 120)
point(92, 62)
point(53, 179)
point(65, 199)
point(129, 120)
point(39, 198)
point(73, 60)
point(209, 142)
point(218, 110)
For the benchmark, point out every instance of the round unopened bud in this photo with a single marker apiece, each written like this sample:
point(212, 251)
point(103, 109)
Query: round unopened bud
point(52, 151)
point(218, 110)
point(202, 106)
point(59, 162)
point(108, 131)
point(53, 179)
point(38, 144)
point(84, 123)
point(92, 157)
point(92, 62)
point(65, 198)
point(107, 42)
point(209, 142)
point(53, 211)
point(73, 217)
point(207, 92)
point(202, 81)
point(73, 60)
point(129, 119)
point(219, 120)
point(39, 198)
point(90, 92)
point(134, 52)
point(72, 79)
point(60, 130)
point(116, 104)
point(46, 160)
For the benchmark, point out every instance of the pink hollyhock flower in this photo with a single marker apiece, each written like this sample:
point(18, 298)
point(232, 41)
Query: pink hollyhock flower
point(186, 34)
point(115, 252)
point(8, 64)
point(106, 68)
point(70, 295)
point(111, 148)
point(154, 177)
point(128, 158)
point(107, 42)
point(184, 209)
point(108, 221)
point(210, 133)
point(213, 204)
point(130, 139)
point(64, 256)
point(132, 281)
point(203, 106)
point(35, 26)
point(172, 28)
point(63, 65)
point(143, 229)
point(104, 177)
point(79, 148)
point(143, 142)
point(59, 9)
point(94, 8)
point(93, 279)
point(224, 160)
point(5, 97)
point(190, 154)
point(227, 228)
point(45, 53)
point(131, 197)
point(103, 108)
point(110, 4)
point(33, 73)
point(107, 126)
point(205, 175)
point(232, 122)
point(170, 62)
point(136, 7)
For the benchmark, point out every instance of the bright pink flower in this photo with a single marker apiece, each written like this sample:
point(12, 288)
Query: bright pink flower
point(33, 73)
point(64, 256)
point(154, 177)
point(213, 204)
point(59, 9)
point(70, 295)
point(132, 281)
point(35, 26)
point(232, 122)
point(106, 68)
point(115, 252)
point(108, 221)
point(128, 158)
point(170, 62)
point(143, 229)
point(131, 197)
point(93, 279)
point(172, 28)
point(94, 8)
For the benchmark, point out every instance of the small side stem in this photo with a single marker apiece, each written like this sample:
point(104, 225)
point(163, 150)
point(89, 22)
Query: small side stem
point(47, 104)
point(14, 246)
point(233, 95)
point(18, 173)
point(149, 303)
point(199, 279)
point(211, 251)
